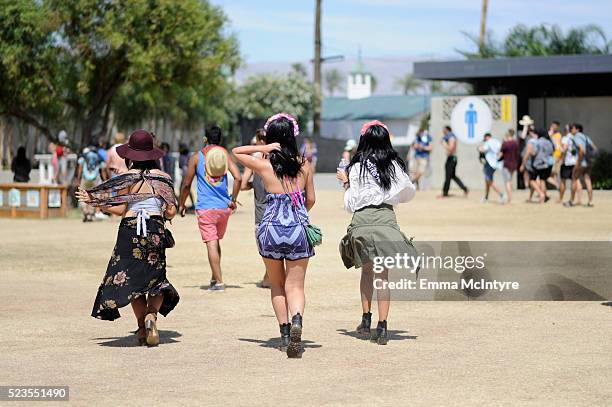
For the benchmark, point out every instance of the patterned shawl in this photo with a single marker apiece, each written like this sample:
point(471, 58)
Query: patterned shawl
point(112, 192)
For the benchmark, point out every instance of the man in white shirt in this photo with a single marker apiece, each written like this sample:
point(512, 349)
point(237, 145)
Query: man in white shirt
point(491, 148)
point(569, 157)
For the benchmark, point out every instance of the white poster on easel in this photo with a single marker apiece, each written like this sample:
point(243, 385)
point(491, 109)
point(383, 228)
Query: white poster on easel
point(14, 198)
point(55, 199)
point(33, 198)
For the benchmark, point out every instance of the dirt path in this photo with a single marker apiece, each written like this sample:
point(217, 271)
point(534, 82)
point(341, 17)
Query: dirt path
point(218, 349)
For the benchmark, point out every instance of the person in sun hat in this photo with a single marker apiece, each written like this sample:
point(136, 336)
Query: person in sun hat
point(136, 272)
point(213, 204)
point(526, 120)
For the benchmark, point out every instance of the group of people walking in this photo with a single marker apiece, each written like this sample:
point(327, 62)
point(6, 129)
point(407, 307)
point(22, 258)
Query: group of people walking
point(541, 158)
point(375, 181)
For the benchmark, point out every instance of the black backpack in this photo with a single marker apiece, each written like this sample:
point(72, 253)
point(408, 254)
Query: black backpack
point(590, 151)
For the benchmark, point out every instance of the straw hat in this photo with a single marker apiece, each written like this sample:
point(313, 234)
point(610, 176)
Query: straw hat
point(140, 147)
point(216, 162)
point(526, 120)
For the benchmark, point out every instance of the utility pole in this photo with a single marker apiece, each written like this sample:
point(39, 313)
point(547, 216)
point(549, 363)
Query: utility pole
point(483, 26)
point(316, 125)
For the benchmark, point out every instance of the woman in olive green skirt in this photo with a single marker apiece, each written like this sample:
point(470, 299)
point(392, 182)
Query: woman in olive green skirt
point(375, 181)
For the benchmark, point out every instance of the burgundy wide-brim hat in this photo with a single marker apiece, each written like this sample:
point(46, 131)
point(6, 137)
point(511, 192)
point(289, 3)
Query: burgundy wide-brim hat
point(140, 147)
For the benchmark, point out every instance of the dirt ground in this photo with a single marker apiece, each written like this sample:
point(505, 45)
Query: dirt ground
point(218, 349)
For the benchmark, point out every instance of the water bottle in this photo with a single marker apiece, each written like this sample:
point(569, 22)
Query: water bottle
point(342, 165)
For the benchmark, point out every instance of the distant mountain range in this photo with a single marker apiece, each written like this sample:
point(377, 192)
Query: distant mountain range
point(386, 70)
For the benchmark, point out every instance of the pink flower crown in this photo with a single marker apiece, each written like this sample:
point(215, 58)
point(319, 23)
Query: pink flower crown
point(296, 128)
point(369, 124)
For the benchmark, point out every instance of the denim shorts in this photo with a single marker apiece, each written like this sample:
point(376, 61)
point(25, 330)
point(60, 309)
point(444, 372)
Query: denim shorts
point(488, 172)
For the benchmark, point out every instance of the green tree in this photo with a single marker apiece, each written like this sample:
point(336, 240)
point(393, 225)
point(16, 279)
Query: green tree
point(263, 95)
point(154, 56)
point(29, 70)
point(299, 68)
point(436, 87)
point(409, 84)
point(334, 81)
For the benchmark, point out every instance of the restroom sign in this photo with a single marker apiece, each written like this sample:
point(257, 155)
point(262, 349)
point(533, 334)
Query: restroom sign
point(471, 118)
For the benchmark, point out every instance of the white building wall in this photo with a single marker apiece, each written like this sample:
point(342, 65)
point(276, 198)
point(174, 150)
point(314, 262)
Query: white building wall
point(359, 86)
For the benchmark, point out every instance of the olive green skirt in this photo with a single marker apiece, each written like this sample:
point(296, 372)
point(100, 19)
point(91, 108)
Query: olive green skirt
point(373, 232)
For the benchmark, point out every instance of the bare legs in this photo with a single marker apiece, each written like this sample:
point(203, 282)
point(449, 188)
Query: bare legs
point(577, 189)
point(589, 185)
point(509, 191)
point(488, 186)
point(139, 306)
point(367, 288)
point(294, 285)
point(286, 287)
point(214, 259)
point(142, 306)
point(276, 276)
point(536, 186)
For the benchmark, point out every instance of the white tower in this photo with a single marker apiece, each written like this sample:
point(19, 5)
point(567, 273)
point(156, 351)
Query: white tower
point(359, 84)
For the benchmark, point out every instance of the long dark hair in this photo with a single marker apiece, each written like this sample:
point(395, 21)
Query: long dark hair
point(375, 147)
point(21, 155)
point(542, 133)
point(286, 162)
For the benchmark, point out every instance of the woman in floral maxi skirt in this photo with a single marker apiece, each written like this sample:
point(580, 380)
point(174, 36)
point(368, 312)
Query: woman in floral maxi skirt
point(136, 272)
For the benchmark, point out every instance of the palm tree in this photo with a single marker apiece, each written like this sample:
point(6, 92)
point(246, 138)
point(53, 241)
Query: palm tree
point(436, 87)
point(483, 27)
point(333, 80)
point(408, 83)
point(550, 40)
point(541, 40)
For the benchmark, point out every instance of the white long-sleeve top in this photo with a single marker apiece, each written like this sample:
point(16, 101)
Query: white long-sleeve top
point(365, 191)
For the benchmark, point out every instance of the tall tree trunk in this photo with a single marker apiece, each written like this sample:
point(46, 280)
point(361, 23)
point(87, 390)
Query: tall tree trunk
point(36, 141)
point(2, 143)
point(105, 131)
point(316, 129)
point(9, 143)
point(86, 133)
point(93, 126)
point(483, 26)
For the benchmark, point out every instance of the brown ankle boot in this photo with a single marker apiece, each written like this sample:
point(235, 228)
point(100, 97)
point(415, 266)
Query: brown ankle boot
point(152, 337)
point(141, 335)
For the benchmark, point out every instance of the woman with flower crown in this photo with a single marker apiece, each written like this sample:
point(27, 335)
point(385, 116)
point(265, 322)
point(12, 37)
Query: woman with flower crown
point(374, 182)
point(281, 236)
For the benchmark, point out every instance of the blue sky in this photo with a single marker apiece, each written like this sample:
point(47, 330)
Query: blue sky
point(276, 30)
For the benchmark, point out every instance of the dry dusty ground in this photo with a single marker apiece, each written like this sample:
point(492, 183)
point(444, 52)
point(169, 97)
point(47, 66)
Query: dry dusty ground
point(218, 349)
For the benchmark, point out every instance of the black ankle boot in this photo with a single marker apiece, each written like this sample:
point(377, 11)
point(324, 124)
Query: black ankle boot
point(364, 328)
point(380, 336)
point(294, 350)
point(284, 339)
